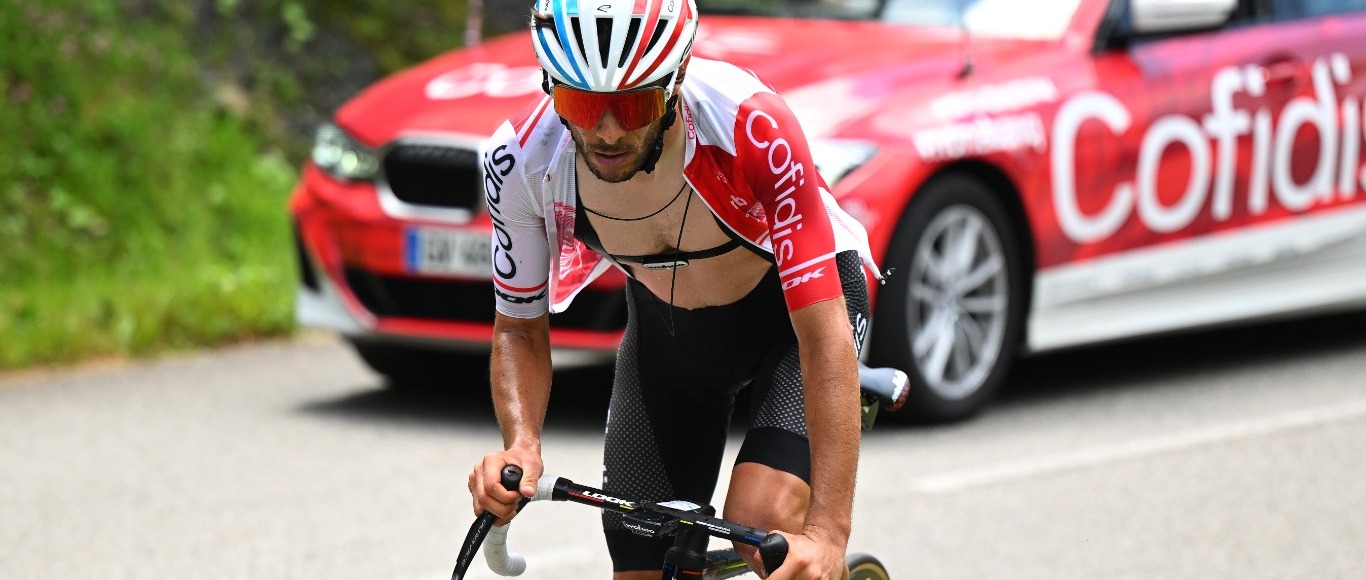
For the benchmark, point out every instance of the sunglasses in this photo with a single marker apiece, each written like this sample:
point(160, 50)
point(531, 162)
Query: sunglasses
point(633, 109)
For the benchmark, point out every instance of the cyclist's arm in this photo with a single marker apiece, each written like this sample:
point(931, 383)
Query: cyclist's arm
point(520, 364)
point(520, 370)
point(830, 382)
point(776, 164)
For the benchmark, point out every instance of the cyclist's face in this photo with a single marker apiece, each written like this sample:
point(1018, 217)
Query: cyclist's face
point(615, 149)
point(612, 153)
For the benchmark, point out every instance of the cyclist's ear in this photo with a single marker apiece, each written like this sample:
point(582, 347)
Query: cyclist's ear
point(682, 72)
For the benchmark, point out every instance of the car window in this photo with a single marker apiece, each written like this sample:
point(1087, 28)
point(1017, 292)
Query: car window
point(1293, 9)
point(1034, 19)
point(824, 9)
point(1121, 34)
point(1037, 20)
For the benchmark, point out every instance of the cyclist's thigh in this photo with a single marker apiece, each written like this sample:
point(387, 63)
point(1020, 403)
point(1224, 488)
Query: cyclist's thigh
point(777, 435)
point(669, 414)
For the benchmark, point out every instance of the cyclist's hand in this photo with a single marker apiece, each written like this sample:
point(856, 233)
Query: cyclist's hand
point(486, 488)
point(812, 556)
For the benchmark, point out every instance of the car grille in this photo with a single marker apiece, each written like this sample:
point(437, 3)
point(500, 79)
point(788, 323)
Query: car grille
point(434, 175)
point(460, 301)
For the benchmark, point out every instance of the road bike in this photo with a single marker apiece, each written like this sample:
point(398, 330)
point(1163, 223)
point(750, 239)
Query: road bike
point(690, 525)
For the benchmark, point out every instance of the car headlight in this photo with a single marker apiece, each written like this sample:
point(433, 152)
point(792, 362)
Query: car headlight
point(836, 158)
point(342, 156)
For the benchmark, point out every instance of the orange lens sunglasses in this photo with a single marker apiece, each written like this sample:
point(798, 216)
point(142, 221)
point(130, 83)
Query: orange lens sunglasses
point(633, 109)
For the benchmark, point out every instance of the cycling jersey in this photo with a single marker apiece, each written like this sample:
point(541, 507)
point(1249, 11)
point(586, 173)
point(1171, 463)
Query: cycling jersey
point(746, 157)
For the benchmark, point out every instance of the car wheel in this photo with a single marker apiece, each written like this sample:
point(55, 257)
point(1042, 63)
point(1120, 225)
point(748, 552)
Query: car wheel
point(950, 314)
point(412, 365)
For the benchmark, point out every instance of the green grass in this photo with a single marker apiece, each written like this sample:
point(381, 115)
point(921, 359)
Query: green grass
point(147, 151)
point(136, 214)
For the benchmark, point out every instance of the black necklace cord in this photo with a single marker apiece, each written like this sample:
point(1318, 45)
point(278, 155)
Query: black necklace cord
point(644, 217)
point(673, 277)
point(678, 245)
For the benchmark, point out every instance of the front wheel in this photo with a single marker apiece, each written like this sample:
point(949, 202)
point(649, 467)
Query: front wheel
point(865, 567)
point(952, 310)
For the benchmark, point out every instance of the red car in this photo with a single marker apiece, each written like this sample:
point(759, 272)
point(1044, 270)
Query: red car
point(1040, 175)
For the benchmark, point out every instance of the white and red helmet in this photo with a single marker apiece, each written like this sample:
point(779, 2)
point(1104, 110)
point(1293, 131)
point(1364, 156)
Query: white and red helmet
point(614, 45)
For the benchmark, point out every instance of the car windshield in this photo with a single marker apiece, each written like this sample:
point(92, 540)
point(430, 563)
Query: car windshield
point(1038, 20)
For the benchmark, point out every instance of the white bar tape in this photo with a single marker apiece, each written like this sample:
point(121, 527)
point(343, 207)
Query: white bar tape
point(544, 487)
point(496, 553)
point(500, 561)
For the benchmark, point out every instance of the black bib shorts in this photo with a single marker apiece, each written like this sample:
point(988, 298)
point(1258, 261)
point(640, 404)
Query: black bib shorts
point(673, 395)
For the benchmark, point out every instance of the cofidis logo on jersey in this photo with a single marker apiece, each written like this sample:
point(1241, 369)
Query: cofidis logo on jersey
point(789, 175)
point(497, 165)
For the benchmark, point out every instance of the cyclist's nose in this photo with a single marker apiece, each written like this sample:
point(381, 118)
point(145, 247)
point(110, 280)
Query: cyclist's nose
point(609, 129)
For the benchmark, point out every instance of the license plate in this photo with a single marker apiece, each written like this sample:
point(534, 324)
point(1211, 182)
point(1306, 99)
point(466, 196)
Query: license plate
point(448, 252)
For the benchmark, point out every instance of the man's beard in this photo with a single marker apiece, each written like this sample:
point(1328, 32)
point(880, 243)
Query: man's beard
point(640, 155)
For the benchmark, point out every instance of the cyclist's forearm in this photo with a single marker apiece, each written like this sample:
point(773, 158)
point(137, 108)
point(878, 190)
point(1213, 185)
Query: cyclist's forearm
point(833, 428)
point(520, 372)
point(830, 376)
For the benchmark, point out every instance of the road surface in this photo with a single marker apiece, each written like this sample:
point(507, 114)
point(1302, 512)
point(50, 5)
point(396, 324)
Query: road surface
point(1232, 454)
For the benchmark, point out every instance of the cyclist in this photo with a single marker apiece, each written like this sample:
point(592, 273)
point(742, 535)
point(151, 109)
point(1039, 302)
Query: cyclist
point(693, 178)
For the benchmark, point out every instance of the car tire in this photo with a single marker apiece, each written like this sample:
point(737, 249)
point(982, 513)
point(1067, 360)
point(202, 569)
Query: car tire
point(950, 314)
point(407, 366)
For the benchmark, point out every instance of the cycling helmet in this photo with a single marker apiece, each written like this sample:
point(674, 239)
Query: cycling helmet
point(614, 45)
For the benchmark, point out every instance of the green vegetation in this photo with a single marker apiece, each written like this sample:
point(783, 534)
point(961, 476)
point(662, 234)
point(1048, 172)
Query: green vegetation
point(148, 156)
point(134, 217)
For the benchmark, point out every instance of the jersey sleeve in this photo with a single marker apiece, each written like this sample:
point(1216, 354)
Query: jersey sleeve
point(775, 161)
point(520, 248)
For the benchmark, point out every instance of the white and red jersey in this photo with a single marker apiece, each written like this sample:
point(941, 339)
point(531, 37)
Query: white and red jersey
point(746, 157)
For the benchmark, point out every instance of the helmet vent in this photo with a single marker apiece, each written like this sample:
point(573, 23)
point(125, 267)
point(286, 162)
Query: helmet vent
point(659, 33)
point(604, 40)
point(578, 35)
point(631, 33)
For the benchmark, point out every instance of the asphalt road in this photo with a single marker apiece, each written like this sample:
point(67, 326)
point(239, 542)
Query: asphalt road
point(1234, 454)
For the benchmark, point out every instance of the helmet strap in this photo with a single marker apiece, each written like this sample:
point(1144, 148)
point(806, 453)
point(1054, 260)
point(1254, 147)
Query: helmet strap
point(657, 148)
